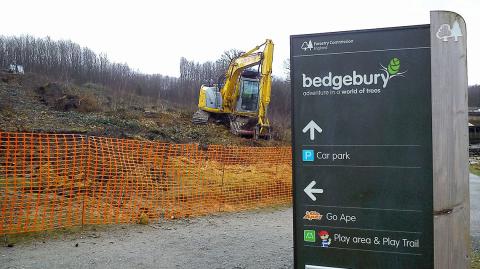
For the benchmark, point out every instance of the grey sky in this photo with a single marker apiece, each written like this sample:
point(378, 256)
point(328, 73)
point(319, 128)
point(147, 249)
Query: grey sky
point(151, 36)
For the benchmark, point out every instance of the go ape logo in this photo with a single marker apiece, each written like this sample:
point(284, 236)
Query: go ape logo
point(356, 79)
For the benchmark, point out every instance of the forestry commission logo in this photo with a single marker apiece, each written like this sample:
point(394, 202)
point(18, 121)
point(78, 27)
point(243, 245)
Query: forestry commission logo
point(323, 45)
point(307, 45)
point(445, 32)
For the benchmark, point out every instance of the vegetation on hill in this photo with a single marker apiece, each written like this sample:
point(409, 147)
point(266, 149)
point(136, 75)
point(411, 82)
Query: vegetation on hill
point(69, 88)
point(32, 103)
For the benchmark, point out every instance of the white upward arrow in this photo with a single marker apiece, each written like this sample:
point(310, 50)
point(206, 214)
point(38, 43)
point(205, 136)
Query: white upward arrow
point(312, 126)
point(309, 190)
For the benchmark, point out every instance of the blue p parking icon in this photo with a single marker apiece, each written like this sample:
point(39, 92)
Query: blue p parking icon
point(307, 155)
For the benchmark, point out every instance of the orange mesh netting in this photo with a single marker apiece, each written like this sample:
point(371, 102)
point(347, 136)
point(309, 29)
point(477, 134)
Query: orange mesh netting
point(49, 181)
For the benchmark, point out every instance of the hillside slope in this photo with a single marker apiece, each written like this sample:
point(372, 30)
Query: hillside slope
point(32, 103)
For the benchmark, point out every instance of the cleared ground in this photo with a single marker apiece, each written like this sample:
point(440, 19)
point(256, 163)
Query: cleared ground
point(32, 103)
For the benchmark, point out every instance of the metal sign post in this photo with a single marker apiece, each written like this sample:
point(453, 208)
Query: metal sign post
point(369, 156)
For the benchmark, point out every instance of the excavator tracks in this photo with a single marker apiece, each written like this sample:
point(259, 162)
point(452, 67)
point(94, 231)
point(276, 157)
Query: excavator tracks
point(242, 125)
point(200, 117)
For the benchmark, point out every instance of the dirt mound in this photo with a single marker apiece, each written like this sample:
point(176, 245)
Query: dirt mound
point(9, 77)
point(64, 98)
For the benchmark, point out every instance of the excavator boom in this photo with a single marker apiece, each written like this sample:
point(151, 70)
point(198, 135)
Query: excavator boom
point(233, 74)
point(265, 87)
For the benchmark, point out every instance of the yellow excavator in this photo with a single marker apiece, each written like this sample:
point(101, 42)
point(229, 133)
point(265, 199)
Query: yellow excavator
point(241, 97)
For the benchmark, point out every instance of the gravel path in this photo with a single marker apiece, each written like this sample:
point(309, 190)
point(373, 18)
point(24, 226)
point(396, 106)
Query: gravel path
point(261, 239)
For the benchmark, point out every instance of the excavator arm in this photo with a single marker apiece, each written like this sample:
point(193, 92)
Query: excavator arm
point(235, 69)
point(265, 87)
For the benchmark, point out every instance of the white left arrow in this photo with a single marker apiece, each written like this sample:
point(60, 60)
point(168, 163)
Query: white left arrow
point(309, 190)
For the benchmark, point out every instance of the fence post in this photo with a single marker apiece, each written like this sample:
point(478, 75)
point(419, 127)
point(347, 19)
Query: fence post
point(87, 175)
point(223, 175)
point(164, 178)
point(276, 169)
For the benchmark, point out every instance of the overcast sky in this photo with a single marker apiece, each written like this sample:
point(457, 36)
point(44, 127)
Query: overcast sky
point(151, 36)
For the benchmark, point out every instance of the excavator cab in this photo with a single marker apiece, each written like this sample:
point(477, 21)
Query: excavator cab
point(249, 92)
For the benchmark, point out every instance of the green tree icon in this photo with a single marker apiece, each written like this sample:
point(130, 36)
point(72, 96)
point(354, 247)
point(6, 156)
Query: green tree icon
point(309, 236)
point(393, 66)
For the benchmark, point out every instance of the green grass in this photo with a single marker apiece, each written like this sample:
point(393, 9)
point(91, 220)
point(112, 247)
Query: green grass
point(475, 169)
point(476, 259)
point(22, 238)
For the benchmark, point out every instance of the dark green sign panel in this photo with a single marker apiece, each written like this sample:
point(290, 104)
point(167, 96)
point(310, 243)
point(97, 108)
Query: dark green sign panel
point(362, 149)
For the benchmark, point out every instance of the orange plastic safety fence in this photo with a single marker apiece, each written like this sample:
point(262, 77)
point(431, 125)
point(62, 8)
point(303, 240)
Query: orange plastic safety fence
point(49, 181)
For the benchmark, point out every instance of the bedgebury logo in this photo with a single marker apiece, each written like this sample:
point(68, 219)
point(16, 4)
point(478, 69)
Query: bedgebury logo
point(307, 45)
point(356, 79)
point(392, 70)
